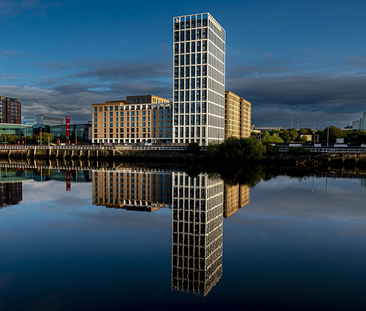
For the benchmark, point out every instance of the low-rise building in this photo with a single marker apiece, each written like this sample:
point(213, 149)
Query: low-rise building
point(81, 131)
point(41, 119)
point(16, 129)
point(132, 120)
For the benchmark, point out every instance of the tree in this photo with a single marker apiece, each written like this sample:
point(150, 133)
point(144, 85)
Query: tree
point(306, 130)
point(9, 139)
point(303, 139)
point(288, 135)
point(63, 139)
point(275, 138)
point(334, 133)
point(237, 149)
point(194, 148)
point(45, 136)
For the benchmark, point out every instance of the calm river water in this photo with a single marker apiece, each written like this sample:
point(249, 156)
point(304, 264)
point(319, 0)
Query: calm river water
point(135, 239)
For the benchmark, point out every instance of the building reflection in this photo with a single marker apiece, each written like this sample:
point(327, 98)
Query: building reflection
point(235, 197)
point(198, 205)
point(10, 193)
point(197, 222)
point(132, 189)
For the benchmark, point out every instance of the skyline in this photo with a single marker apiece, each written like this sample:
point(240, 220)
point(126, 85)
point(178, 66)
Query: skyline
point(304, 61)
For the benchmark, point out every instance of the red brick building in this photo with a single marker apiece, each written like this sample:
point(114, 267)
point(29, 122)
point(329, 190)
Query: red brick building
point(10, 110)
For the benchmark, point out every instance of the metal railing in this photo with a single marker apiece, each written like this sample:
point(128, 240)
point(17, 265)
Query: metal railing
point(326, 150)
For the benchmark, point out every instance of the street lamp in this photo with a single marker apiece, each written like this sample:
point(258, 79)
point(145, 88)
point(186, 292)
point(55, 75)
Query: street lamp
point(328, 135)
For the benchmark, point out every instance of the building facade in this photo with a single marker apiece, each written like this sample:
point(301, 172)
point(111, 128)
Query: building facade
point(360, 125)
point(10, 111)
point(41, 119)
point(198, 79)
point(81, 131)
point(132, 120)
point(16, 129)
point(237, 116)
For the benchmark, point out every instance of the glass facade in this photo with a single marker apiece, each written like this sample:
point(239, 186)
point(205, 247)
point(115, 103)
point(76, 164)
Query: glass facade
point(83, 131)
point(48, 120)
point(15, 129)
point(198, 79)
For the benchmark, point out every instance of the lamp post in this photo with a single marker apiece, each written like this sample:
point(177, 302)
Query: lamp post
point(328, 135)
point(314, 135)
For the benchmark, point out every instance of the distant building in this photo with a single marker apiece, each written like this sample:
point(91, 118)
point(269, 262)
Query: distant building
point(356, 125)
point(360, 125)
point(133, 120)
point(237, 116)
point(262, 129)
point(10, 110)
point(41, 119)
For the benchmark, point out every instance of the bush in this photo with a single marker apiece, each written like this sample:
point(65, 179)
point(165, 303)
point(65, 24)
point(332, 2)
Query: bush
point(237, 149)
point(194, 148)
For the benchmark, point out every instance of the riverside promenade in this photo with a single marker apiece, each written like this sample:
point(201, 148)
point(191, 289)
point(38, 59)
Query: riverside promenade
point(93, 151)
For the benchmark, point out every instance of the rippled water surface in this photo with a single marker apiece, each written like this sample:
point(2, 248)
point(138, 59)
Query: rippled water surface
point(161, 239)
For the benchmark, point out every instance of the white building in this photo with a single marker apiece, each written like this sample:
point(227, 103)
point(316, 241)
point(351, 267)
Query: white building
point(198, 79)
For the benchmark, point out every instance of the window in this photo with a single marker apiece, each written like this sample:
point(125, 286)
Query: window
point(95, 109)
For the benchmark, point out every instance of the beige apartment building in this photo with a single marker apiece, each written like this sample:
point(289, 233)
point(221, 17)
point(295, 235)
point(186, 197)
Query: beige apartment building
point(237, 116)
point(138, 118)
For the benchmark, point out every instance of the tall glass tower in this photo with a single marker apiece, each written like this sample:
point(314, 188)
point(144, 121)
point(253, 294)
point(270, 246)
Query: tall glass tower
point(198, 79)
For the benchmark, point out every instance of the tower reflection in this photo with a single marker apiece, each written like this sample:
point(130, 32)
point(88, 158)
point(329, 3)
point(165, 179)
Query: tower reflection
point(197, 221)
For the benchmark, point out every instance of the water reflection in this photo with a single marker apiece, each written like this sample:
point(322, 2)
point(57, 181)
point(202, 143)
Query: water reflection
point(11, 181)
point(197, 232)
point(132, 189)
point(199, 205)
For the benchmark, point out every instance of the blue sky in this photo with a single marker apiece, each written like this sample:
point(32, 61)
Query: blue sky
point(300, 59)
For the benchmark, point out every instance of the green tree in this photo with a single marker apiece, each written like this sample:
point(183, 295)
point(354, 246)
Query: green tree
point(237, 149)
point(9, 139)
point(334, 133)
point(194, 148)
point(275, 138)
point(303, 139)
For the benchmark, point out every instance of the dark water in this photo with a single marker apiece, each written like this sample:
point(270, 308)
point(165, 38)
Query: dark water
point(141, 239)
